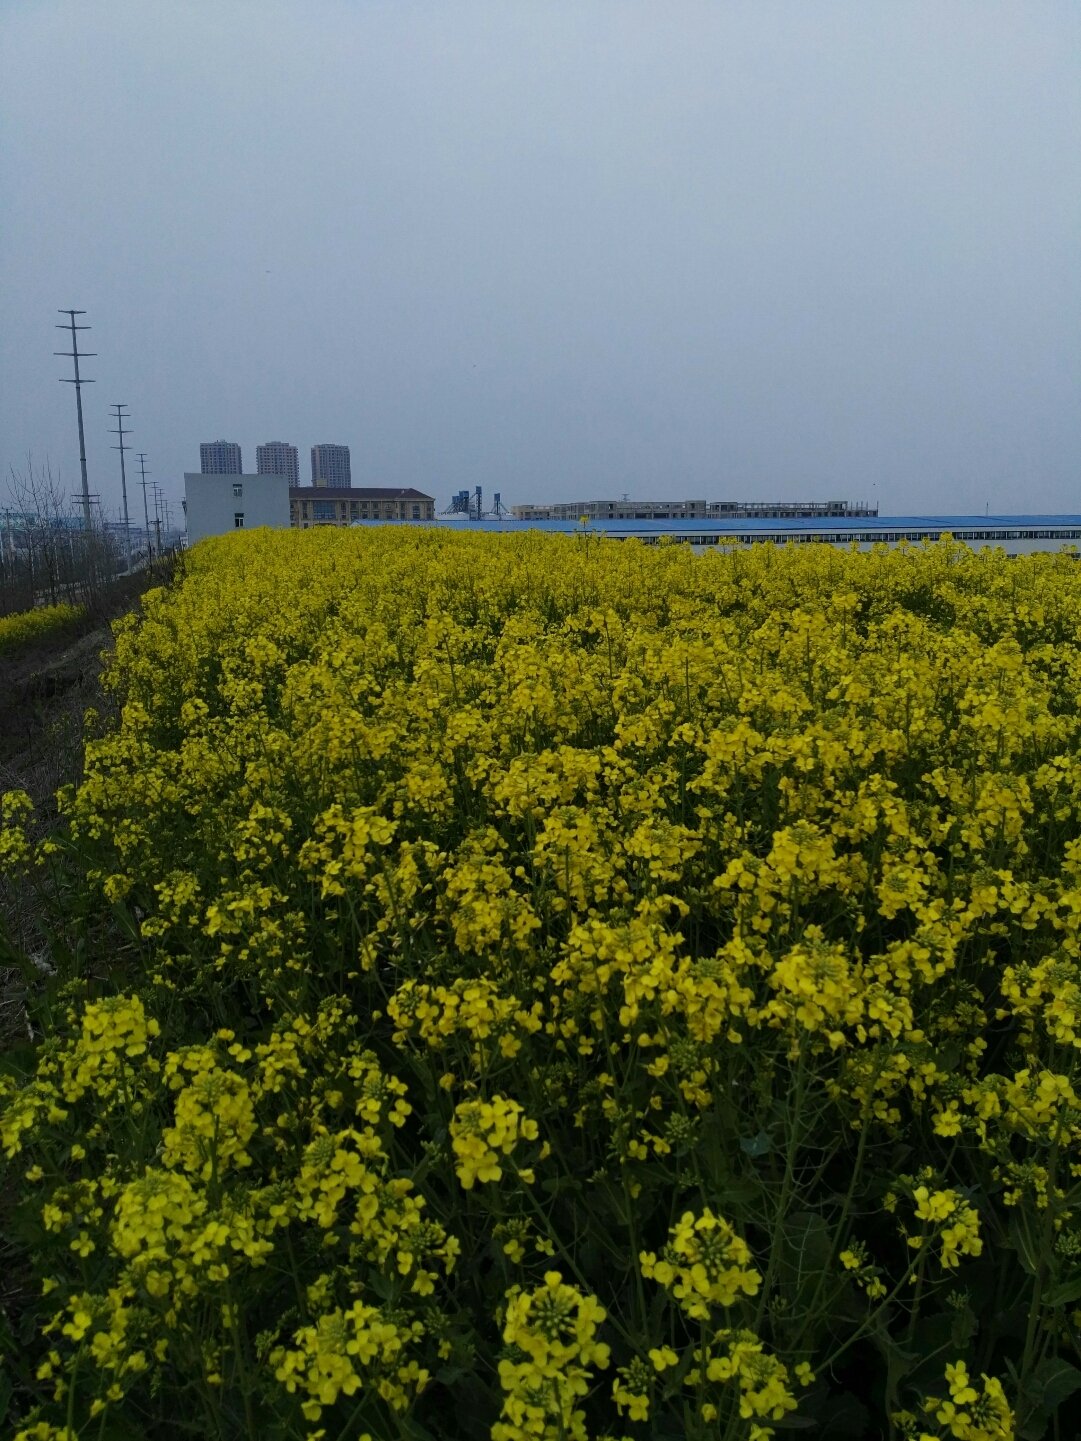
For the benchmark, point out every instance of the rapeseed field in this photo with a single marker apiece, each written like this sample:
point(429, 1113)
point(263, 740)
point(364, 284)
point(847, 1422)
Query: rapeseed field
point(26, 626)
point(540, 987)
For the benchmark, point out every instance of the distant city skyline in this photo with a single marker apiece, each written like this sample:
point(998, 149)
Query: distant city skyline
point(330, 463)
point(770, 251)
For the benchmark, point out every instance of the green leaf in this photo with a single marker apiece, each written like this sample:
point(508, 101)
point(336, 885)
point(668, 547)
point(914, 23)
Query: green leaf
point(804, 1258)
point(562, 1185)
point(1063, 1293)
point(756, 1146)
point(845, 1418)
point(381, 1285)
point(412, 1428)
point(1023, 1242)
point(1052, 1382)
point(962, 1327)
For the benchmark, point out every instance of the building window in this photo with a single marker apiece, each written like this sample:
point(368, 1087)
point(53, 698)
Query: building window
point(238, 489)
point(238, 520)
point(416, 512)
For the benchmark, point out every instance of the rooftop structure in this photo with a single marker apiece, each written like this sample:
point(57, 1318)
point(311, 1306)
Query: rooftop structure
point(330, 465)
point(220, 457)
point(473, 508)
point(278, 457)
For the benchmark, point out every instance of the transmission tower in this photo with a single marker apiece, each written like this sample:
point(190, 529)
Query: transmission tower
point(79, 381)
point(141, 458)
point(119, 430)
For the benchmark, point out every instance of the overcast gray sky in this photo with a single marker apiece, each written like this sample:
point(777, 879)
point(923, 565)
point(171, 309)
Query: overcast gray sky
point(558, 248)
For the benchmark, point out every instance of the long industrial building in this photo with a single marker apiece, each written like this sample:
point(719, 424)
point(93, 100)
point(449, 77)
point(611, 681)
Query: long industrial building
point(1016, 534)
point(626, 509)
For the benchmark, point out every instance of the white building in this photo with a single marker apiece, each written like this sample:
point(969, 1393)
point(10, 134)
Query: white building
point(216, 504)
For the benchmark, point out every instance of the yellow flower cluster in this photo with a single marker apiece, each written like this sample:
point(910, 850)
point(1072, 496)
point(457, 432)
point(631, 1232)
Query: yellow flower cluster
point(483, 1133)
point(704, 1264)
point(761, 1380)
point(345, 1350)
point(486, 962)
point(969, 1413)
point(29, 625)
point(554, 1329)
point(16, 808)
point(956, 1224)
point(495, 1024)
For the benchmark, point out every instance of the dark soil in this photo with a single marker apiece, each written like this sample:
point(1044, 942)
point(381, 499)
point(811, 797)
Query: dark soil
point(46, 687)
point(44, 690)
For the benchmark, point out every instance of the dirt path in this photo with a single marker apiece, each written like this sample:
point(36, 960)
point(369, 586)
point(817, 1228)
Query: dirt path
point(46, 687)
point(44, 692)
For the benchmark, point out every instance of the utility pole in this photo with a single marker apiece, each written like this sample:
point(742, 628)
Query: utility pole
point(121, 432)
point(79, 381)
point(157, 510)
point(141, 457)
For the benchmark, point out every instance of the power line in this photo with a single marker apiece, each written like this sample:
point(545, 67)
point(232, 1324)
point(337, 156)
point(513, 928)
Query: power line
point(119, 430)
point(79, 381)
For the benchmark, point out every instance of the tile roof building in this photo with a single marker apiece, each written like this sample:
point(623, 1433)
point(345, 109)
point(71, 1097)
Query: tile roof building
point(311, 505)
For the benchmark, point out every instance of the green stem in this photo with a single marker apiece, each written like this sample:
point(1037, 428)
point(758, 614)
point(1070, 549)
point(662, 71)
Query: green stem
point(838, 1233)
point(866, 1325)
point(564, 1256)
point(71, 1389)
point(786, 1192)
point(241, 1365)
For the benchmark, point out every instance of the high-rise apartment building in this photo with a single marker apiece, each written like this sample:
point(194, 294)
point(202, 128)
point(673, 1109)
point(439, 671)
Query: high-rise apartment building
point(330, 465)
point(220, 457)
point(278, 457)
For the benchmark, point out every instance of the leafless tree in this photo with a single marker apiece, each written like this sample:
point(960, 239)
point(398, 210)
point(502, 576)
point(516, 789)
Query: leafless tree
point(46, 556)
